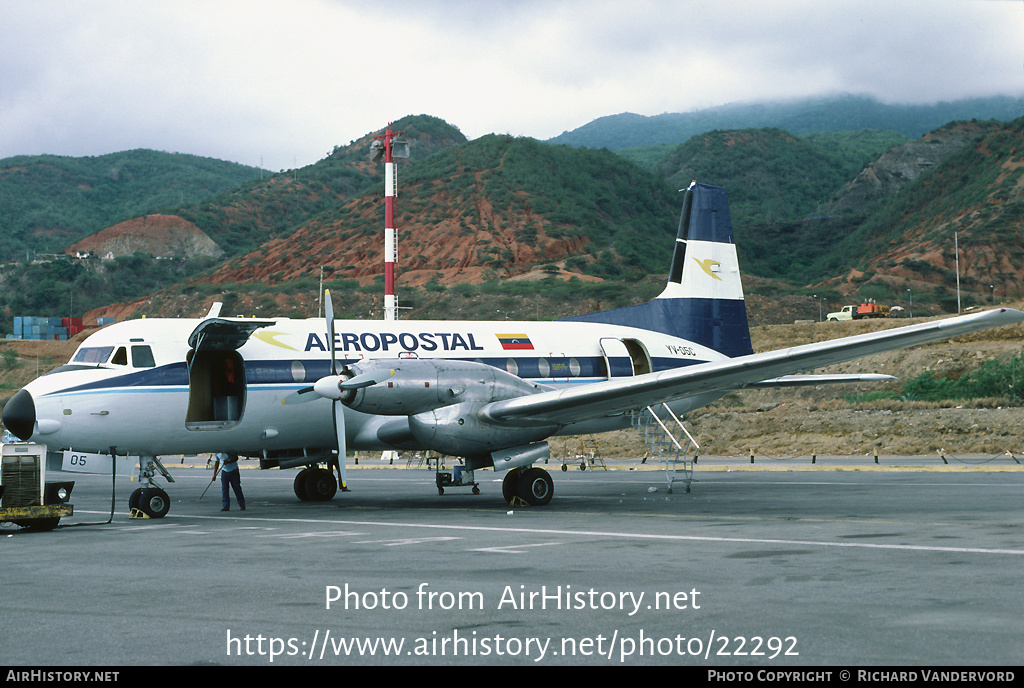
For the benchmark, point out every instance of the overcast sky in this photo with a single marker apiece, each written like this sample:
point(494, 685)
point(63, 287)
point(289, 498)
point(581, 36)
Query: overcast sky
point(279, 84)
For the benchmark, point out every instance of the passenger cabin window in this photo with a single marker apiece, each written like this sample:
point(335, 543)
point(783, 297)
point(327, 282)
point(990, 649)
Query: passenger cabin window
point(142, 356)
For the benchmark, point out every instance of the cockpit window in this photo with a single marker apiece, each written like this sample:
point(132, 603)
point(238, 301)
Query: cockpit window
point(92, 354)
point(142, 356)
point(121, 357)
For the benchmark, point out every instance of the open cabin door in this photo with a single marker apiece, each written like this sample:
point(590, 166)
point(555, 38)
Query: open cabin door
point(625, 357)
point(216, 373)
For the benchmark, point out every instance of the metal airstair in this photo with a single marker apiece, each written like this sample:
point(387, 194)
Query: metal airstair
point(666, 441)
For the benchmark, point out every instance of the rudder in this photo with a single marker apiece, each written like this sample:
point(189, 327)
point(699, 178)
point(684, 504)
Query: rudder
point(703, 300)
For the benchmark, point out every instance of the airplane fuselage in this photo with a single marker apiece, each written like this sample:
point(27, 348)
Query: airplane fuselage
point(139, 385)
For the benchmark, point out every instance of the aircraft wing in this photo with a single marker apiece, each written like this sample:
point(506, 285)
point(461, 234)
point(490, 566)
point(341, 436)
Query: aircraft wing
point(622, 394)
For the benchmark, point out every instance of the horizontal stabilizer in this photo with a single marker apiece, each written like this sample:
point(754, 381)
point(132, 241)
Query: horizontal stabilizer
point(809, 380)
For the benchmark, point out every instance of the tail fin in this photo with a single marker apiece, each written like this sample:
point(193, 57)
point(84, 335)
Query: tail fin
point(703, 300)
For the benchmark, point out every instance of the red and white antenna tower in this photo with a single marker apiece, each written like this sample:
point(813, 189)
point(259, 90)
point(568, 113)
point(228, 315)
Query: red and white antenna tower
point(390, 147)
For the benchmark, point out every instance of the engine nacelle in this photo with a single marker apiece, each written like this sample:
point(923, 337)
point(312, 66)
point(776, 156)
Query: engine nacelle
point(459, 430)
point(407, 387)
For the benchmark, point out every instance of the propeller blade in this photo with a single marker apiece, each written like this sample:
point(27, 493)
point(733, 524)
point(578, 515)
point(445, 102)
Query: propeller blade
point(329, 387)
point(339, 430)
point(366, 379)
point(329, 312)
point(300, 397)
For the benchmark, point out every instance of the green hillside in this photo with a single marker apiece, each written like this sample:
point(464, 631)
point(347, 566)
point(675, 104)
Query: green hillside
point(770, 174)
point(838, 113)
point(48, 202)
point(854, 148)
point(243, 218)
point(239, 213)
point(778, 185)
point(68, 287)
point(977, 195)
point(624, 212)
point(499, 202)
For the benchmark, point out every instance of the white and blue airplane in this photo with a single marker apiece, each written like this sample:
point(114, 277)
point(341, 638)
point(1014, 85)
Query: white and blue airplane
point(302, 392)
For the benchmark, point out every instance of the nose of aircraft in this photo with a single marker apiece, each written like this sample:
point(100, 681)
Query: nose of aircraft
point(19, 415)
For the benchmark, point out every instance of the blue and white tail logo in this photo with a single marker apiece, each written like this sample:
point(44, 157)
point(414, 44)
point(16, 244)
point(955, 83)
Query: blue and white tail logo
point(703, 300)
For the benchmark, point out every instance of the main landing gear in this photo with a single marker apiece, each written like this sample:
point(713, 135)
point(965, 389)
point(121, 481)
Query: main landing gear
point(315, 484)
point(531, 485)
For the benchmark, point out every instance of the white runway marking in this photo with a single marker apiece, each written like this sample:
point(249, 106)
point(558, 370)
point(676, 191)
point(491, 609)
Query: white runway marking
point(610, 534)
point(404, 541)
point(513, 549)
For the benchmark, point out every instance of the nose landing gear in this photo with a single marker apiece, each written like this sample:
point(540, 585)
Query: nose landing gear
point(150, 500)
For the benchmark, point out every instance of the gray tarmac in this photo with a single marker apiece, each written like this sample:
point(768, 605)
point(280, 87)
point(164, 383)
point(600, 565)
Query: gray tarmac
point(776, 565)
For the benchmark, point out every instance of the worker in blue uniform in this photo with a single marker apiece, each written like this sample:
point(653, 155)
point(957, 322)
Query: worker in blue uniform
point(229, 476)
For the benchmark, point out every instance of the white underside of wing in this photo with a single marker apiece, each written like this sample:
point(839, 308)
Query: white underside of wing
point(808, 380)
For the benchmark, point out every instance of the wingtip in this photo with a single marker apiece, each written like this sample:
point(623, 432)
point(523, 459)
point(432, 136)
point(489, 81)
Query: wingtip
point(1007, 316)
point(1013, 313)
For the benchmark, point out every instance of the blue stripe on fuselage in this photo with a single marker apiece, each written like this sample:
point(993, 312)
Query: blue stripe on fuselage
point(283, 373)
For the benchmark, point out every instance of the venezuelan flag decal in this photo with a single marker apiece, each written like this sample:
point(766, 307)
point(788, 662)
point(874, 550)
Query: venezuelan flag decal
point(514, 341)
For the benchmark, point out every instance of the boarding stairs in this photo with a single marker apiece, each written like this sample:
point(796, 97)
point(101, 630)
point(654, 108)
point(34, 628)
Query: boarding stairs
point(669, 441)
